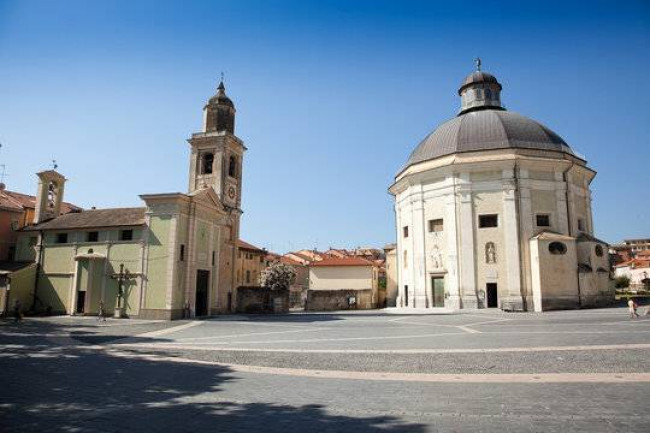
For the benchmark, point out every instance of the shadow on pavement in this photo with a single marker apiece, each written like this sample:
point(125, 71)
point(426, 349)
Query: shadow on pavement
point(56, 388)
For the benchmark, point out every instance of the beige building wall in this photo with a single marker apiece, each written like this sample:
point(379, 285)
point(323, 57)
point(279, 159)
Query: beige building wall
point(341, 277)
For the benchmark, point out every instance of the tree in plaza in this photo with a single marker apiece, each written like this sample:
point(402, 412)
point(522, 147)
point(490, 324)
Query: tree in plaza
point(278, 276)
point(622, 282)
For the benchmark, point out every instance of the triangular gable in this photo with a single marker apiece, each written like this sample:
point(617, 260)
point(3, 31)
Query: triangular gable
point(208, 197)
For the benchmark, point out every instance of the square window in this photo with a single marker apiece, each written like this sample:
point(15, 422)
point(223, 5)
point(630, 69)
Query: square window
point(92, 236)
point(486, 221)
point(406, 231)
point(543, 220)
point(61, 238)
point(126, 235)
point(435, 225)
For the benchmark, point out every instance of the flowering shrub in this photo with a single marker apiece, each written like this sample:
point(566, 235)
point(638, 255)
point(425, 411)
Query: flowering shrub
point(278, 276)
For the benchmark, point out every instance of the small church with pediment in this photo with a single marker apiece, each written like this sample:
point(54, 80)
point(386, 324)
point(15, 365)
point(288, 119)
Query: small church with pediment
point(172, 258)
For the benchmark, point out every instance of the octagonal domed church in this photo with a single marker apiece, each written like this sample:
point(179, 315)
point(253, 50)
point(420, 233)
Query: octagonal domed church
point(493, 210)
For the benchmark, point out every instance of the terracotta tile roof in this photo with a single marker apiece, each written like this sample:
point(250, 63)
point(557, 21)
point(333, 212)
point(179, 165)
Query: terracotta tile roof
point(246, 246)
point(20, 201)
point(290, 261)
point(344, 261)
point(636, 263)
point(96, 218)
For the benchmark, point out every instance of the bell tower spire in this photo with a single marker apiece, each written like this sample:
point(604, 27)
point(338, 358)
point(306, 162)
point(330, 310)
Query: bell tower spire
point(217, 154)
point(219, 112)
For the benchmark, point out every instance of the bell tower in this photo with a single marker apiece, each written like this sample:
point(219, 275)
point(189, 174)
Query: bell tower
point(49, 195)
point(217, 154)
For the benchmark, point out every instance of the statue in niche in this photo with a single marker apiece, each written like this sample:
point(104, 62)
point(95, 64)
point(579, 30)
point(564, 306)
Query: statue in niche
point(490, 253)
point(436, 257)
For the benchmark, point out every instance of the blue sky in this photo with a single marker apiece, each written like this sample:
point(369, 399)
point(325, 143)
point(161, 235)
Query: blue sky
point(331, 98)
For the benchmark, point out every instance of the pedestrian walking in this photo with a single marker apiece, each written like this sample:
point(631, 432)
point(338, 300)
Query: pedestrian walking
point(632, 306)
point(17, 313)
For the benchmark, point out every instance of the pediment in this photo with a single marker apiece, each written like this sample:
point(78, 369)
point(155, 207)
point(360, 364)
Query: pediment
point(208, 198)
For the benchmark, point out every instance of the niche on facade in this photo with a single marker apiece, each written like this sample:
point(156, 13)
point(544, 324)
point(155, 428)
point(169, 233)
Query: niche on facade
point(490, 253)
point(436, 257)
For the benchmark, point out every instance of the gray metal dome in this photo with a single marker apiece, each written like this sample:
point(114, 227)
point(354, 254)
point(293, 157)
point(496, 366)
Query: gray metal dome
point(487, 129)
point(477, 77)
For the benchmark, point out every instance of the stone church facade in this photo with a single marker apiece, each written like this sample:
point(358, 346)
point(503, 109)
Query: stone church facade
point(177, 252)
point(493, 209)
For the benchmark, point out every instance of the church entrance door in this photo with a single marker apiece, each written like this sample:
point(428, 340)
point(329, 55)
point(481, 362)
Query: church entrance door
point(438, 292)
point(202, 283)
point(492, 299)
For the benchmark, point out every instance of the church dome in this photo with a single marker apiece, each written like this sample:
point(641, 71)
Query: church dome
point(487, 129)
point(484, 124)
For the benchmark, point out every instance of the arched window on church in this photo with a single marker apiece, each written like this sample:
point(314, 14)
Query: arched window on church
point(232, 167)
point(206, 163)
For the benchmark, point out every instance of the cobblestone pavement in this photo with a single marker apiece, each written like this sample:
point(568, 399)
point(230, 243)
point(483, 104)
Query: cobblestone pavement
point(364, 372)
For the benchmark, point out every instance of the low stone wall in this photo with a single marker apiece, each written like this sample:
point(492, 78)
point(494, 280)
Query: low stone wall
point(262, 300)
point(332, 300)
point(158, 314)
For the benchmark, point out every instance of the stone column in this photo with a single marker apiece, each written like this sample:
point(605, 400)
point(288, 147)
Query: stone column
point(512, 293)
point(452, 287)
point(561, 203)
point(589, 222)
point(419, 255)
point(467, 262)
point(399, 259)
point(527, 230)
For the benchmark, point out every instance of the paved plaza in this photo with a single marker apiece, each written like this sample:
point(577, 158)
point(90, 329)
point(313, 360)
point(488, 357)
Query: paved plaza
point(364, 371)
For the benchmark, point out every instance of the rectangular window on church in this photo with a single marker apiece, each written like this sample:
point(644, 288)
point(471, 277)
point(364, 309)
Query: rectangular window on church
point(406, 231)
point(182, 253)
point(126, 235)
point(543, 220)
point(61, 238)
point(581, 224)
point(213, 258)
point(435, 225)
point(92, 236)
point(487, 221)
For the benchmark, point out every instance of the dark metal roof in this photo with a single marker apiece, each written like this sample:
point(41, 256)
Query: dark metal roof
point(487, 130)
point(478, 77)
point(116, 217)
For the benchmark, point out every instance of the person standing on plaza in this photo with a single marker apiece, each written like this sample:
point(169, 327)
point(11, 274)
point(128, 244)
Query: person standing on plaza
point(632, 306)
point(101, 316)
point(17, 313)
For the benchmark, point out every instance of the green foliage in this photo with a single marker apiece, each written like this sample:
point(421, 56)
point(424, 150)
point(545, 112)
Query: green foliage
point(622, 282)
point(278, 276)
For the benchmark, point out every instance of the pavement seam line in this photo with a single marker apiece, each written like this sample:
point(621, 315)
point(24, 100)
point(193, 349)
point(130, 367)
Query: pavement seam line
point(170, 330)
point(408, 377)
point(632, 346)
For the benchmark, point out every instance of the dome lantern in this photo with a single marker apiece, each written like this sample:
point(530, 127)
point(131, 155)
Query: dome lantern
point(480, 90)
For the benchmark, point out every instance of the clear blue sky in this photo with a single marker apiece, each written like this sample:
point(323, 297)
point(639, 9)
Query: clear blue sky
point(331, 98)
